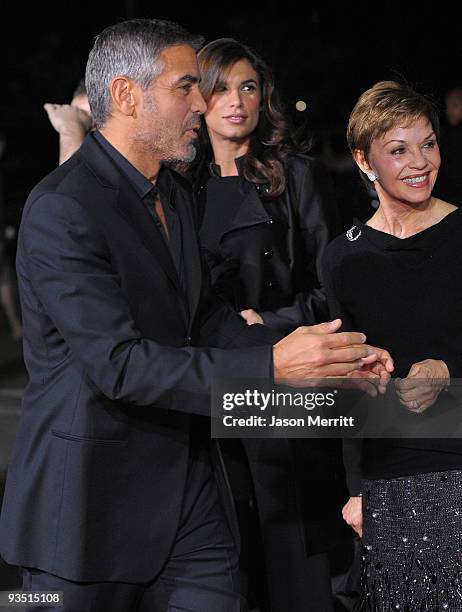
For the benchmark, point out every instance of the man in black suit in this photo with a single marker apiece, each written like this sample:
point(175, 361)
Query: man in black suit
point(111, 494)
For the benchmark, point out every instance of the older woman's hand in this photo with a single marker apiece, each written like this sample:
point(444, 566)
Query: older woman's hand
point(423, 384)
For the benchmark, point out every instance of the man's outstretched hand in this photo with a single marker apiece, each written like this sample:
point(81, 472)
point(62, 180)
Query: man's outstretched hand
point(319, 352)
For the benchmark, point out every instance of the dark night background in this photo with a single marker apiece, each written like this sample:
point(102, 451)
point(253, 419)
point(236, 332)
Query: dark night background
point(326, 56)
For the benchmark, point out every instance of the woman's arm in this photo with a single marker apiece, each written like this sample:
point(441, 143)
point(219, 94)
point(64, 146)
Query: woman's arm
point(352, 448)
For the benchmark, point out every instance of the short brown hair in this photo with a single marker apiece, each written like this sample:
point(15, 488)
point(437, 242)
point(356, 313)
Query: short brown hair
point(384, 106)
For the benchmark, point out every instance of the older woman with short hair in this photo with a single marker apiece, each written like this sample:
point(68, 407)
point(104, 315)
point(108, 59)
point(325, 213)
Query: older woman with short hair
point(397, 278)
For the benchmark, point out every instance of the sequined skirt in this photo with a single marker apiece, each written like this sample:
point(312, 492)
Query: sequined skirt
point(412, 542)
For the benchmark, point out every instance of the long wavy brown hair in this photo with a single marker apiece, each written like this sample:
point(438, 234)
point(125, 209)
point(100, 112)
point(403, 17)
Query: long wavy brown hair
point(274, 138)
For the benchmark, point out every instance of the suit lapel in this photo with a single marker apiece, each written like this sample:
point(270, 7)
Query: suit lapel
point(135, 213)
point(129, 205)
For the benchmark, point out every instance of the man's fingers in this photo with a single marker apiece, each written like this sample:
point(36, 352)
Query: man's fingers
point(347, 354)
point(341, 369)
point(330, 327)
point(337, 340)
point(343, 339)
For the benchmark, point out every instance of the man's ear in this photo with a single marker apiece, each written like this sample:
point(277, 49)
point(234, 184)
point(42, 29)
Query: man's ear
point(124, 94)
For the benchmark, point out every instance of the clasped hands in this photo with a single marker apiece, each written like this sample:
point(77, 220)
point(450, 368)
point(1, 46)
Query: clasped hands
point(321, 351)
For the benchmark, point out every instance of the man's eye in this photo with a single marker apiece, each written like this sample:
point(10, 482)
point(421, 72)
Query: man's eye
point(186, 87)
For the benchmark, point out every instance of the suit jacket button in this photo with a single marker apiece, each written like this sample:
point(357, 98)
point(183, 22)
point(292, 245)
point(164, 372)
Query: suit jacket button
point(188, 340)
point(270, 222)
point(268, 253)
point(270, 284)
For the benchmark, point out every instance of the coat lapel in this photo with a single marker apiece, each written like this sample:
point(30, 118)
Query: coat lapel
point(251, 211)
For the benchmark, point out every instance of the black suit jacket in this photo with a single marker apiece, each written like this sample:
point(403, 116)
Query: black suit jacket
point(119, 360)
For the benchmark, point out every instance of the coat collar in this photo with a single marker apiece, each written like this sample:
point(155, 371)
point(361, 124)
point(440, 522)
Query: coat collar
point(251, 210)
point(214, 169)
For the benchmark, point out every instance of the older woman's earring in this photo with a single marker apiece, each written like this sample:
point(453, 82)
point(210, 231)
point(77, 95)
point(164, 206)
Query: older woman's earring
point(372, 177)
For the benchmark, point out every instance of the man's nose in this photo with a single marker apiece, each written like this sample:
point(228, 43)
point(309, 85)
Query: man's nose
point(198, 104)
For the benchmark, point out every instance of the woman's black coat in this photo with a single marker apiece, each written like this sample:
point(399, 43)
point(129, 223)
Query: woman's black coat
point(269, 257)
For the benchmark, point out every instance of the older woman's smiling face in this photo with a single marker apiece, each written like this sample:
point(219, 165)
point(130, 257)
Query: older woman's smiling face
point(406, 160)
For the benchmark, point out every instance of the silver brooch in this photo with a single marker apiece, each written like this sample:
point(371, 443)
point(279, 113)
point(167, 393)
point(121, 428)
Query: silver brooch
point(353, 233)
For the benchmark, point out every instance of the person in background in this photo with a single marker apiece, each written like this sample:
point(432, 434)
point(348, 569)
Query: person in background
point(266, 213)
point(449, 183)
point(398, 278)
point(72, 121)
point(7, 296)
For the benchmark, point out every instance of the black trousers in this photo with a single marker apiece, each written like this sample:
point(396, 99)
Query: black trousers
point(282, 576)
point(200, 575)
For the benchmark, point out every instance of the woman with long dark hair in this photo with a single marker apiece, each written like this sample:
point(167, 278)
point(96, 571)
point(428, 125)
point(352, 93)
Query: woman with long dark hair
point(272, 268)
point(266, 214)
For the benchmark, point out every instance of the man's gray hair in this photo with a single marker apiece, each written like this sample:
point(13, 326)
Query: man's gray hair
point(131, 49)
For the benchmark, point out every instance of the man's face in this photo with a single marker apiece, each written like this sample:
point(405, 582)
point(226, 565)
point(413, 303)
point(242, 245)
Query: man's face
point(169, 114)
